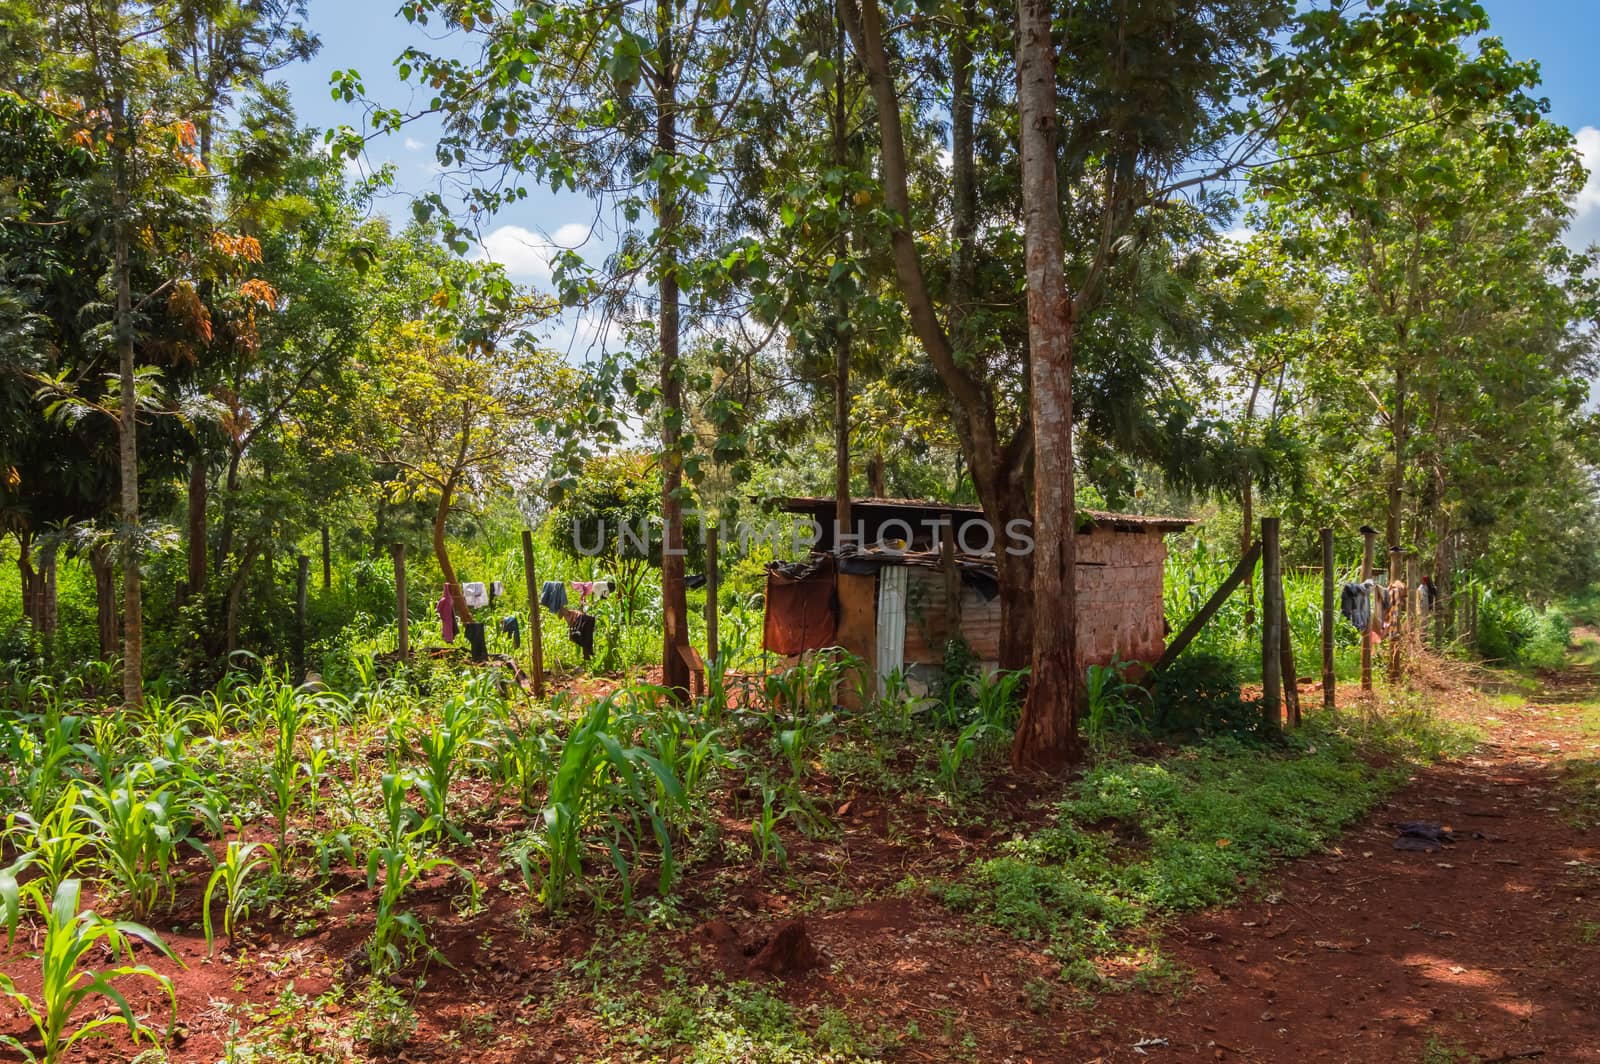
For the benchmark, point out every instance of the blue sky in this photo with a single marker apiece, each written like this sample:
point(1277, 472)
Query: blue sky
point(368, 35)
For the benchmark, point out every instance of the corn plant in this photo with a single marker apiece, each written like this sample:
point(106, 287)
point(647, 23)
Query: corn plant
point(893, 709)
point(442, 743)
point(524, 759)
point(38, 753)
point(953, 755)
point(598, 779)
point(995, 698)
point(402, 860)
point(55, 844)
point(1110, 702)
point(673, 739)
point(73, 939)
point(319, 758)
point(764, 829)
point(284, 708)
point(238, 862)
point(134, 836)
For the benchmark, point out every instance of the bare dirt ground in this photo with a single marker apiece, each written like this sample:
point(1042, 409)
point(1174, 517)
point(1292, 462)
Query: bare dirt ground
point(1485, 949)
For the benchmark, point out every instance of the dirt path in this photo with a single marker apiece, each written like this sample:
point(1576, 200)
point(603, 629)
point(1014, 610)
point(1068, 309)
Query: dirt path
point(1485, 950)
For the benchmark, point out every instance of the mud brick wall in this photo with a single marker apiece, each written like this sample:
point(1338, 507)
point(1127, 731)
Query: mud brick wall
point(1119, 597)
point(1119, 604)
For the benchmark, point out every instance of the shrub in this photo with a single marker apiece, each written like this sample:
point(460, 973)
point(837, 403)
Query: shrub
point(1198, 695)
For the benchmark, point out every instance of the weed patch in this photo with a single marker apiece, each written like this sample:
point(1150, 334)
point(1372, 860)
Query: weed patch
point(1137, 839)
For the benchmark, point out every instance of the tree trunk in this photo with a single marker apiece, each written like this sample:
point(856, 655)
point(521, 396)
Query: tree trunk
point(197, 523)
point(1047, 736)
point(1397, 471)
point(842, 326)
point(128, 410)
point(674, 596)
point(441, 551)
point(997, 468)
point(105, 600)
point(878, 476)
point(235, 594)
point(1017, 618)
point(48, 612)
point(27, 579)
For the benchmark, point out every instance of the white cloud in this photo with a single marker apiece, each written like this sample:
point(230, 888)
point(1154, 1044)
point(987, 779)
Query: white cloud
point(1238, 233)
point(413, 144)
point(1586, 207)
point(527, 255)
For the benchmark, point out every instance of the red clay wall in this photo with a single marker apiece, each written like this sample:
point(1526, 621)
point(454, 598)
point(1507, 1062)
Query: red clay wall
point(1119, 604)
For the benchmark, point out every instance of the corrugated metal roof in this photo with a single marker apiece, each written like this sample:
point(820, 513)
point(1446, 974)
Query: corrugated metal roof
point(1117, 522)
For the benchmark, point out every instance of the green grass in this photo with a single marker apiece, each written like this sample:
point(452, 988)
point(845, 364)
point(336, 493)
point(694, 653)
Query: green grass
point(1138, 839)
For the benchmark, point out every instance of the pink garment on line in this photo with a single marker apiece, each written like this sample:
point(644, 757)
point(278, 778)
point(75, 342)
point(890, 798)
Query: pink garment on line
point(447, 616)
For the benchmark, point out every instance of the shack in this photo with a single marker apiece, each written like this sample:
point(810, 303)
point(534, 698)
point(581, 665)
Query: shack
point(883, 589)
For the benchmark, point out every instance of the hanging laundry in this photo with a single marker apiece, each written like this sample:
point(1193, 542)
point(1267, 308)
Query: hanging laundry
point(580, 629)
point(1356, 606)
point(476, 594)
point(553, 596)
point(496, 590)
point(1378, 598)
point(512, 627)
point(596, 589)
point(447, 615)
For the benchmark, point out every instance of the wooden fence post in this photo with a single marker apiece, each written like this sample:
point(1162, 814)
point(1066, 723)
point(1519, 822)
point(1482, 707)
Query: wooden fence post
point(713, 587)
point(1369, 540)
point(1329, 700)
point(1402, 620)
point(1271, 624)
point(535, 621)
point(1415, 623)
point(400, 612)
point(302, 578)
point(1291, 675)
point(327, 561)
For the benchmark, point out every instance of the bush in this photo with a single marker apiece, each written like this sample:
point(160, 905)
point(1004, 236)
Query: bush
point(1512, 633)
point(1198, 695)
point(1551, 635)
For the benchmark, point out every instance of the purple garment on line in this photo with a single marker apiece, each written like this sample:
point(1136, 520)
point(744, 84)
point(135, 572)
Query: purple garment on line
point(447, 616)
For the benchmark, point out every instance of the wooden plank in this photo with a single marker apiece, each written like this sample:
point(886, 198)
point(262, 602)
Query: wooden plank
point(952, 581)
point(713, 583)
point(1272, 612)
point(535, 621)
point(1291, 682)
point(1328, 679)
point(858, 631)
point(1246, 565)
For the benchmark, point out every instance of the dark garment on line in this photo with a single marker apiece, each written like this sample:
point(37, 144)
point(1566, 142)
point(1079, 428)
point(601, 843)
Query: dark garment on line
point(697, 580)
point(802, 607)
point(553, 596)
point(476, 643)
point(512, 627)
point(581, 631)
point(1356, 606)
